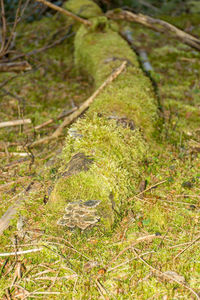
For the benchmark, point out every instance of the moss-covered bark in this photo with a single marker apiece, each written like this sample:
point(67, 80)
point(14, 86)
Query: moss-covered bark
point(117, 148)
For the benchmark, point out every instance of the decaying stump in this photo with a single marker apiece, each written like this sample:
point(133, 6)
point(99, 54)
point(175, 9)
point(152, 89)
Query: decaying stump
point(115, 133)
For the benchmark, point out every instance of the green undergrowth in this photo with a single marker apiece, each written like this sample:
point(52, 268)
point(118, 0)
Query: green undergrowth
point(169, 210)
point(98, 261)
point(48, 89)
point(177, 75)
point(52, 87)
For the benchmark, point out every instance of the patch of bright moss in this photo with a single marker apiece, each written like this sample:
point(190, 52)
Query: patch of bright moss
point(118, 153)
point(83, 8)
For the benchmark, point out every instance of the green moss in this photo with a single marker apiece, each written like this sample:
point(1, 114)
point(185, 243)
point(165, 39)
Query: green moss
point(117, 151)
point(83, 8)
point(171, 208)
point(131, 94)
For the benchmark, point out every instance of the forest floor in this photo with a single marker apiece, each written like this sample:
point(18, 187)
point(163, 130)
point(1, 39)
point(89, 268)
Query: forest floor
point(157, 233)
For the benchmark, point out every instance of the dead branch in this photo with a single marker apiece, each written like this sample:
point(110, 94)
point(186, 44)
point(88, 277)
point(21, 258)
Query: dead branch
point(15, 66)
point(42, 49)
point(68, 120)
point(15, 123)
point(157, 25)
point(192, 243)
point(65, 12)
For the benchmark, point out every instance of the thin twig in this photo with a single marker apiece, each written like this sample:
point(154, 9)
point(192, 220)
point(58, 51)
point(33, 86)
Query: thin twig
point(167, 276)
point(12, 34)
point(151, 187)
point(192, 243)
point(20, 252)
point(129, 260)
point(89, 101)
point(68, 120)
point(42, 49)
point(54, 278)
point(101, 289)
point(178, 245)
point(61, 116)
point(68, 242)
point(7, 185)
point(65, 12)
point(139, 240)
point(166, 200)
point(46, 293)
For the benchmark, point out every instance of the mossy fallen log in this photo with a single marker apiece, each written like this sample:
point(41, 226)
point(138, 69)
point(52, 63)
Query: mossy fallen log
point(103, 158)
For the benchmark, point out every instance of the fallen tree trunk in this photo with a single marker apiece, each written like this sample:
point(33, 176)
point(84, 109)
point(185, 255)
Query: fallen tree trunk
point(103, 158)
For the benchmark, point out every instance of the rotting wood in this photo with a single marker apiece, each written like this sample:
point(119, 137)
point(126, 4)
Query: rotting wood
point(157, 25)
